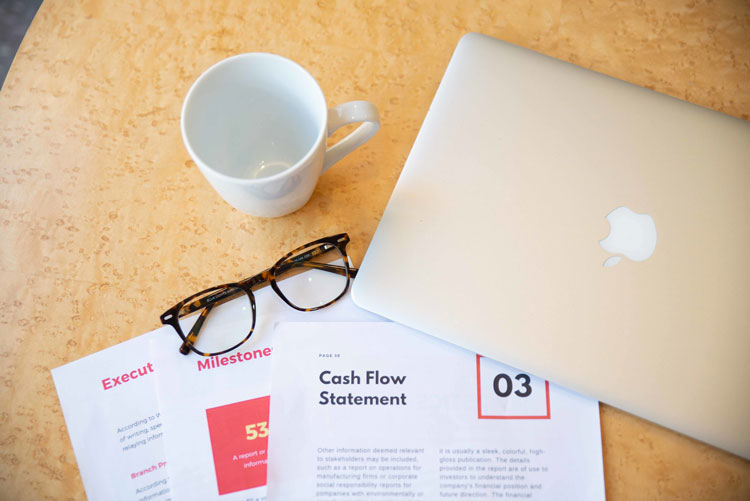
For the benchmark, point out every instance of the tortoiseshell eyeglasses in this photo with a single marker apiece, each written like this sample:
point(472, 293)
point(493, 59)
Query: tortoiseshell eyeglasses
point(219, 319)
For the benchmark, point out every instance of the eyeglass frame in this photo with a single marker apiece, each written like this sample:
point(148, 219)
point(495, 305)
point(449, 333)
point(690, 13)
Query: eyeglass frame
point(247, 285)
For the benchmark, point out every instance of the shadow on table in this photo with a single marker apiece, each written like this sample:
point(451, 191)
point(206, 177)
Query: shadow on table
point(15, 18)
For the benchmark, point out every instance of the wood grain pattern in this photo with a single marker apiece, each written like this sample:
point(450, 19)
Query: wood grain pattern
point(105, 221)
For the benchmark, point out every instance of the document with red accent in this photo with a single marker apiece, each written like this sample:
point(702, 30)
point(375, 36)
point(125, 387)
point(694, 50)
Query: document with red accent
point(111, 409)
point(380, 411)
point(216, 408)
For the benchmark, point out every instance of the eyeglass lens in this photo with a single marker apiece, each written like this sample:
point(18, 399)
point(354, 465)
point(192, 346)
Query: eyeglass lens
point(323, 279)
point(225, 323)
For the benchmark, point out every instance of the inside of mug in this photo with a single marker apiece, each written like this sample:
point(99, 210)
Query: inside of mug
point(253, 116)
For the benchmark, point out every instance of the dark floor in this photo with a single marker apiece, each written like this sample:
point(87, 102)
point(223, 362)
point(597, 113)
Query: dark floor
point(15, 18)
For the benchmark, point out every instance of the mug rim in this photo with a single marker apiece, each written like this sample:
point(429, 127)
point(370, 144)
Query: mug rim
point(244, 180)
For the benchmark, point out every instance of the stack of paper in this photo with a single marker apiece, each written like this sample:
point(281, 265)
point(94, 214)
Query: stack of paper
point(358, 410)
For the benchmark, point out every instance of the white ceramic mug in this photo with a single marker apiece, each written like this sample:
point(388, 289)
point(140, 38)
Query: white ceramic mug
point(256, 126)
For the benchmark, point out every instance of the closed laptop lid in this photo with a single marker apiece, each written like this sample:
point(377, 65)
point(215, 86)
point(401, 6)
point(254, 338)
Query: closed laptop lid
point(491, 239)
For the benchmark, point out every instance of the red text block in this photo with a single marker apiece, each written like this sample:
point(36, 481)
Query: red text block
point(239, 442)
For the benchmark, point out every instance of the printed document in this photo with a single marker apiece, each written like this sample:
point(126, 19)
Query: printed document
point(380, 411)
point(112, 413)
point(216, 408)
point(114, 405)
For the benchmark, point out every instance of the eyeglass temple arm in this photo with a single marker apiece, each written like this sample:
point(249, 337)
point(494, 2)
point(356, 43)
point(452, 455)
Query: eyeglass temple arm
point(193, 334)
point(304, 260)
point(214, 299)
point(332, 268)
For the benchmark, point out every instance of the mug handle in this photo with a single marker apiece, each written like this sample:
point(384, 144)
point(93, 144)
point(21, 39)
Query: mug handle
point(344, 114)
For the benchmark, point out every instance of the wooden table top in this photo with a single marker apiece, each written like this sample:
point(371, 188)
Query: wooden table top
point(105, 220)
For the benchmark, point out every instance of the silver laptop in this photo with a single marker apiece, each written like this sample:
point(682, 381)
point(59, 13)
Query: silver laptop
point(589, 231)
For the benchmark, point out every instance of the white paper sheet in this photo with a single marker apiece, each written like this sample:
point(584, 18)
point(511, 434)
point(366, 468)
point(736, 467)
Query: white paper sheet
point(111, 410)
point(208, 408)
point(379, 411)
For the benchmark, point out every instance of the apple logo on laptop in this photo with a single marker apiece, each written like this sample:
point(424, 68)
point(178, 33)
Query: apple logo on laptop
point(631, 235)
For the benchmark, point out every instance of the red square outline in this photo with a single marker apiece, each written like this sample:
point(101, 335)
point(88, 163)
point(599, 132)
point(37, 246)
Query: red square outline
point(479, 401)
